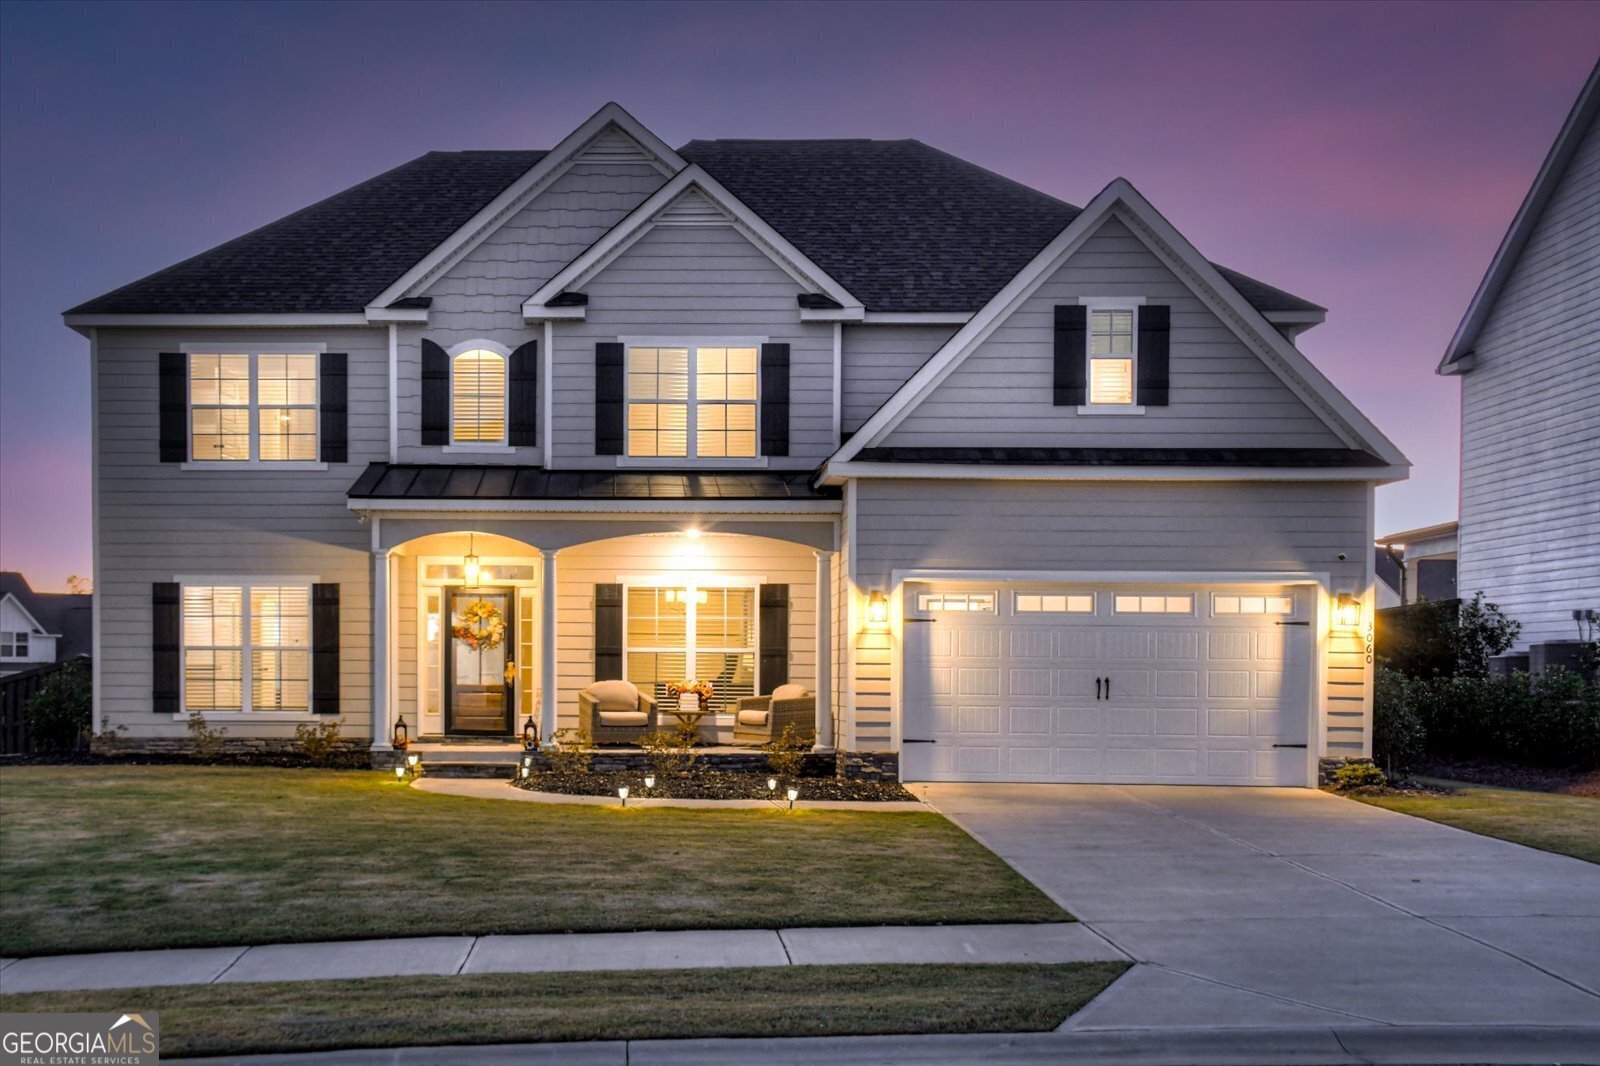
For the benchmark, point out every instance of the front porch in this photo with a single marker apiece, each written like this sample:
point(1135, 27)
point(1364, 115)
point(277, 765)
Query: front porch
point(487, 629)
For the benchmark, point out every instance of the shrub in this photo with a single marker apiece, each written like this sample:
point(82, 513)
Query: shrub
point(208, 742)
point(1429, 639)
point(573, 753)
point(1354, 775)
point(1553, 720)
point(670, 751)
point(1399, 738)
point(1482, 630)
point(58, 715)
point(786, 753)
point(319, 741)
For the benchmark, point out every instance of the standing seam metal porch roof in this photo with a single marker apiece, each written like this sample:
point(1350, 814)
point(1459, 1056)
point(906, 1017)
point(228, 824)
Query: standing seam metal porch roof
point(426, 481)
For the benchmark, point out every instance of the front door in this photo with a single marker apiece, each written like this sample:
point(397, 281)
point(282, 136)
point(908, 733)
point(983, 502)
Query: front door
point(479, 669)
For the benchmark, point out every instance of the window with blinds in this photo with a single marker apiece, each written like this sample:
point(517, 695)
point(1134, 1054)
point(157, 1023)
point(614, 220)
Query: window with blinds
point(478, 398)
point(692, 633)
point(692, 402)
point(253, 406)
point(1111, 357)
point(247, 647)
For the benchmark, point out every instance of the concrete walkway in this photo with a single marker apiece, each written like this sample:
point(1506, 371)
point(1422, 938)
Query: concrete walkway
point(558, 952)
point(1286, 908)
point(482, 788)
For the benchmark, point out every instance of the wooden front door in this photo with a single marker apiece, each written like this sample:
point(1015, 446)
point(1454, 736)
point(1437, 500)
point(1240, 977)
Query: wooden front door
point(479, 667)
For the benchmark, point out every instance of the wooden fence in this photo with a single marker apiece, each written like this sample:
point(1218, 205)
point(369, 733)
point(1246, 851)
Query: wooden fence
point(15, 692)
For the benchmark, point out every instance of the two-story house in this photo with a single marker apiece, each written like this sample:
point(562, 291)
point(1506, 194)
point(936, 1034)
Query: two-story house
point(1527, 353)
point(1020, 490)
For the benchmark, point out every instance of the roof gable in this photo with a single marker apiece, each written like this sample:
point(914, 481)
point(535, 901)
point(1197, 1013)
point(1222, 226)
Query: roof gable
point(1122, 201)
point(1581, 122)
point(692, 197)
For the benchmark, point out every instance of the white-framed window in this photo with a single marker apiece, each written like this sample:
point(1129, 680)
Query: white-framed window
point(1143, 604)
point(1235, 604)
point(247, 647)
point(1055, 603)
point(478, 390)
point(1113, 350)
point(692, 632)
point(258, 406)
point(14, 645)
point(956, 602)
point(693, 401)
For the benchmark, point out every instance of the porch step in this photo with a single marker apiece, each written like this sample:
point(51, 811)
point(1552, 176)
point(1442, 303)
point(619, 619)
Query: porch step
point(461, 768)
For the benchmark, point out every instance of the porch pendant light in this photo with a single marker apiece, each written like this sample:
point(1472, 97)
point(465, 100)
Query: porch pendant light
point(469, 564)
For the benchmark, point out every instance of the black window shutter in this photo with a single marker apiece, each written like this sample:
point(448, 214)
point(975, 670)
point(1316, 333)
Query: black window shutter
point(773, 627)
point(1154, 361)
point(166, 641)
point(774, 399)
point(523, 381)
point(607, 632)
point(435, 394)
point(333, 401)
point(325, 649)
point(1071, 354)
point(174, 407)
point(608, 399)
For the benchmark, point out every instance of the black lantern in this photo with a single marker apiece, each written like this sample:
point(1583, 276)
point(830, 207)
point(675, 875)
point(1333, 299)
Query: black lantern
point(401, 740)
point(530, 734)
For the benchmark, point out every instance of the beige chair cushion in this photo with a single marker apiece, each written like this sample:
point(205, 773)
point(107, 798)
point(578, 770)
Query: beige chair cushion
point(753, 717)
point(614, 695)
point(623, 718)
point(789, 692)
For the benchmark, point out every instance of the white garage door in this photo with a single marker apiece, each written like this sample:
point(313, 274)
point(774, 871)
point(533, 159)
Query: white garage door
point(1180, 685)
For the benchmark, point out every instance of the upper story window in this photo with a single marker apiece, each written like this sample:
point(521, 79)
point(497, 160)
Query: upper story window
point(478, 397)
point(13, 645)
point(1111, 356)
point(256, 405)
point(692, 402)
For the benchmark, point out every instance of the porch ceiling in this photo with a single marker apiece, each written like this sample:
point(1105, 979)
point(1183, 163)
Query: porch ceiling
point(446, 482)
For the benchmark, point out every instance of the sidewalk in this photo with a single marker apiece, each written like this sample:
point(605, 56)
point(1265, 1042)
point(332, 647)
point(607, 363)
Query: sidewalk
point(558, 952)
point(1415, 1045)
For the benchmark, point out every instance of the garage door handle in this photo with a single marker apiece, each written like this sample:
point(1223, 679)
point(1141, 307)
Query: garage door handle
point(1108, 688)
point(1288, 745)
point(1097, 683)
point(1294, 623)
point(919, 740)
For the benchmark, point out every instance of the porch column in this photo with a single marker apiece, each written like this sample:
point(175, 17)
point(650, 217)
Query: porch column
point(548, 697)
point(824, 630)
point(382, 725)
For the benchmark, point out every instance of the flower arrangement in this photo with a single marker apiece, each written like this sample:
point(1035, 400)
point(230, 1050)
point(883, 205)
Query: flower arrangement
point(482, 626)
point(682, 688)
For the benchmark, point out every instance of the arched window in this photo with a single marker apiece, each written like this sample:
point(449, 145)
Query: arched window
point(478, 397)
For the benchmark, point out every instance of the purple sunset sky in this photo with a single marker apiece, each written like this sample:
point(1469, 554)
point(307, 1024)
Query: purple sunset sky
point(1365, 156)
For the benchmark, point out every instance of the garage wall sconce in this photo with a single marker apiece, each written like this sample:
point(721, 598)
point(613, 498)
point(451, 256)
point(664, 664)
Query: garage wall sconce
point(1346, 612)
point(877, 609)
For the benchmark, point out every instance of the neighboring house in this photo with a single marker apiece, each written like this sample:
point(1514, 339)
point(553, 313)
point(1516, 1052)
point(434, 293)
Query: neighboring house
point(38, 628)
point(1419, 563)
point(1528, 356)
point(1021, 490)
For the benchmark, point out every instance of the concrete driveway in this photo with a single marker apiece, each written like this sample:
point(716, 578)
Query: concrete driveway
point(1290, 907)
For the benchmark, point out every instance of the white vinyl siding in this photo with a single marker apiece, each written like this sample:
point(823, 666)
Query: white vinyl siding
point(1222, 394)
point(1530, 422)
point(877, 361)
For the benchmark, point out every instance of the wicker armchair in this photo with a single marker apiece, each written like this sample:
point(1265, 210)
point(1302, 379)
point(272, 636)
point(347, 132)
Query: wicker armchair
point(616, 712)
point(761, 719)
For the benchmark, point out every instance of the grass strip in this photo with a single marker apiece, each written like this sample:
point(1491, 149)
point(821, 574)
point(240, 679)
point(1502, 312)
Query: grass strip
point(1567, 825)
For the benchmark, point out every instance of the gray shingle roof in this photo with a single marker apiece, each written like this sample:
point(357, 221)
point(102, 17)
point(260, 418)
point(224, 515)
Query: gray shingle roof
point(904, 227)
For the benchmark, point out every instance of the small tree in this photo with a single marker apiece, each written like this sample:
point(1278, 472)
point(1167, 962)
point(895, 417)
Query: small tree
point(573, 753)
point(318, 741)
point(208, 742)
point(786, 752)
point(1482, 630)
point(59, 714)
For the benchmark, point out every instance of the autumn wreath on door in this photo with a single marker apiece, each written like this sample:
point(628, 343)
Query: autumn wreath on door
point(482, 627)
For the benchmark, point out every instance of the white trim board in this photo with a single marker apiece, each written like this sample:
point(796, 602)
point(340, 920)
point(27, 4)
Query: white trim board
point(1458, 356)
point(522, 191)
point(645, 217)
point(1122, 201)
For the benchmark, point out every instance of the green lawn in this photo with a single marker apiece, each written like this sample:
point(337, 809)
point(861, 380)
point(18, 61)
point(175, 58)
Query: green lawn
point(94, 858)
point(1549, 821)
point(504, 1008)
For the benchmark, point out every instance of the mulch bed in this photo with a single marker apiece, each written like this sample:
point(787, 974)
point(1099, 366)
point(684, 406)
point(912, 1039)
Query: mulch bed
point(1532, 778)
point(711, 784)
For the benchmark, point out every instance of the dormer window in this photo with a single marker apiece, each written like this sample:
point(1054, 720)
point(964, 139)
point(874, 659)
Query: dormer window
point(1111, 357)
point(478, 397)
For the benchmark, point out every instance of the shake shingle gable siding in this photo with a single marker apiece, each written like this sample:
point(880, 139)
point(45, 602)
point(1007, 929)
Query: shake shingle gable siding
point(904, 227)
